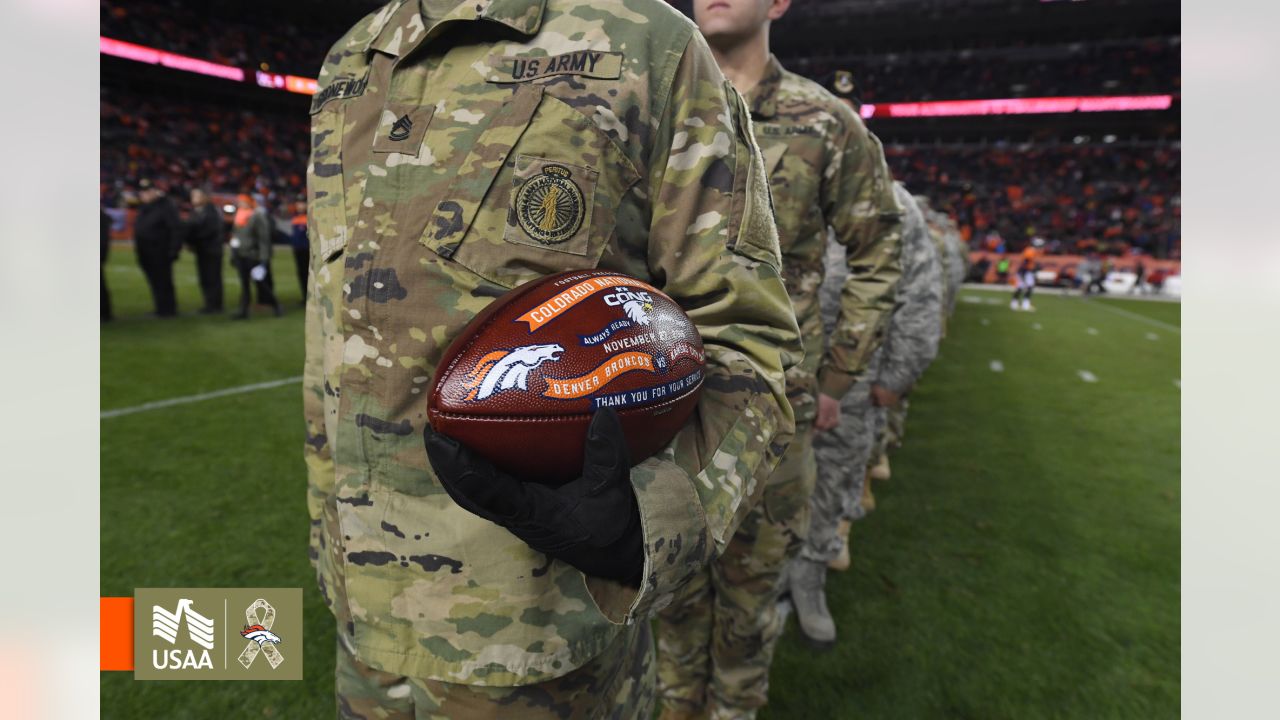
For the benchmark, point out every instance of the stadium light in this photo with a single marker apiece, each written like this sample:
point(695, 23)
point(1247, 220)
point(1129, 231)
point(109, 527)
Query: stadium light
point(152, 56)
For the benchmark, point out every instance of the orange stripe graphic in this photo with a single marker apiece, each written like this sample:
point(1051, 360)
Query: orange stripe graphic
point(115, 633)
point(574, 388)
point(562, 302)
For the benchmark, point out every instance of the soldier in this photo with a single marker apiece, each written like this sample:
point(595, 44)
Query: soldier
point(205, 231)
point(910, 345)
point(953, 261)
point(456, 590)
point(826, 171)
point(157, 239)
point(251, 254)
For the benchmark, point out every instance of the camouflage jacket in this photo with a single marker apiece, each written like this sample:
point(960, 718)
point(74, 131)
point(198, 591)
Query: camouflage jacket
point(916, 324)
point(827, 170)
point(423, 134)
point(252, 241)
point(951, 249)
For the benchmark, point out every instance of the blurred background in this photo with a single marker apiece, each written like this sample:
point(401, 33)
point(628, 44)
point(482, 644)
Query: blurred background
point(1025, 560)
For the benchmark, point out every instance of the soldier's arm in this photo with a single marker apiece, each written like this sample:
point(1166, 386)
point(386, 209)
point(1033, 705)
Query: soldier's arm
point(316, 449)
point(857, 200)
point(713, 247)
point(916, 323)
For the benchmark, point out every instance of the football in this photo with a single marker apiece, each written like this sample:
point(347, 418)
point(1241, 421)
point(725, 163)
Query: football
point(520, 382)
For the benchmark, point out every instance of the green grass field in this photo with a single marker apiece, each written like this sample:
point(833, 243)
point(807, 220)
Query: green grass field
point(1023, 562)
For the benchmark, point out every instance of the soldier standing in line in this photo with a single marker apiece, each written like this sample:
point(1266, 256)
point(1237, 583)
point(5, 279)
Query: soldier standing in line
point(157, 239)
point(251, 254)
point(826, 170)
point(911, 343)
point(457, 589)
point(205, 233)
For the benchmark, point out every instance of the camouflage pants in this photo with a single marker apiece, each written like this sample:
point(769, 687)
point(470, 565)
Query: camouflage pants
point(896, 426)
point(716, 641)
point(617, 685)
point(842, 455)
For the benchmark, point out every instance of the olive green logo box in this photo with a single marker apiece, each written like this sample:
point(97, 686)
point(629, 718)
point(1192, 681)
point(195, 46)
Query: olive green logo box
point(217, 634)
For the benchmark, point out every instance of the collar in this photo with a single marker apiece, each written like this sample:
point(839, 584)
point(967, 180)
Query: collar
point(763, 98)
point(399, 26)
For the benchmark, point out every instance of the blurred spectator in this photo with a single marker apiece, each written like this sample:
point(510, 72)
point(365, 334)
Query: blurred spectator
point(157, 238)
point(301, 246)
point(251, 254)
point(1111, 198)
point(104, 301)
point(205, 232)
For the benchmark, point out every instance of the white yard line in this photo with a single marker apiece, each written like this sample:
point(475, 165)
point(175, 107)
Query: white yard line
point(1152, 336)
point(997, 366)
point(1087, 376)
point(1037, 326)
point(1136, 316)
point(1091, 331)
point(158, 404)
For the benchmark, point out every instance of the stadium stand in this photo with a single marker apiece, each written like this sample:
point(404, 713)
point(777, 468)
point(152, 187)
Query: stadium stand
point(266, 36)
point(192, 143)
point(1106, 181)
point(1103, 197)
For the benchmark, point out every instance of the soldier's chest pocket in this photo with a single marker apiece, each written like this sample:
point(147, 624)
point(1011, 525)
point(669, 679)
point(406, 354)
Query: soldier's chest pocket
point(551, 204)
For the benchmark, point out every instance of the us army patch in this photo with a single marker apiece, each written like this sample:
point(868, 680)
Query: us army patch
point(341, 88)
point(587, 63)
point(550, 206)
point(788, 130)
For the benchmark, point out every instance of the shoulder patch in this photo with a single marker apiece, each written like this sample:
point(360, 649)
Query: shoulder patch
point(523, 68)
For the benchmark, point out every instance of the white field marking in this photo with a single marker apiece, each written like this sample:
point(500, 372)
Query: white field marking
point(1152, 336)
point(1087, 376)
point(156, 405)
point(994, 301)
point(1136, 316)
point(1091, 331)
point(1037, 326)
point(1178, 383)
point(985, 321)
point(997, 366)
point(971, 299)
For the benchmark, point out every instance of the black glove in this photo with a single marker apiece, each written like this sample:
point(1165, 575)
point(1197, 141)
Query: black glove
point(592, 523)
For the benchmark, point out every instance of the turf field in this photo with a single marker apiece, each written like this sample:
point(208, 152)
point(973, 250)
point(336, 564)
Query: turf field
point(1023, 562)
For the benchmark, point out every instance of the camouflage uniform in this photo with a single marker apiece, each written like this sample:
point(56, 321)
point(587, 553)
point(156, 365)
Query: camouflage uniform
point(954, 260)
point(428, 120)
point(910, 345)
point(826, 170)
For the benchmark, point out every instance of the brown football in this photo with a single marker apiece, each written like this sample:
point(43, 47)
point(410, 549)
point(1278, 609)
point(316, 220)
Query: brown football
point(520, 382)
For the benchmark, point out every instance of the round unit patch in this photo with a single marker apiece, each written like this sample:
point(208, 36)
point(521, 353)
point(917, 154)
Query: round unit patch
point(549, 206)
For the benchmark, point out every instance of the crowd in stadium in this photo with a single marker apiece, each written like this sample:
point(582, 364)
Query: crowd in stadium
point(292, 44)
point(1076, 197)
point(185, 145)
point(1149, 66)
point(1111, 198)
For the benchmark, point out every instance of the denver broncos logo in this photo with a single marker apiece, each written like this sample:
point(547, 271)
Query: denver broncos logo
point(506, 369)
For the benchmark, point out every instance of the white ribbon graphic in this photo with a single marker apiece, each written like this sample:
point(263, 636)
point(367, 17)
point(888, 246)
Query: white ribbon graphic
point(266, 647)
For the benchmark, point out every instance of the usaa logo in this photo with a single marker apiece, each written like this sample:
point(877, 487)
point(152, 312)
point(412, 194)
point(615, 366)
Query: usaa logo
point(635, 303)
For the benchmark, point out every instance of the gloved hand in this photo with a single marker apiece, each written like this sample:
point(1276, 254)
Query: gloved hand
point(592, 523)
point(258, 273)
